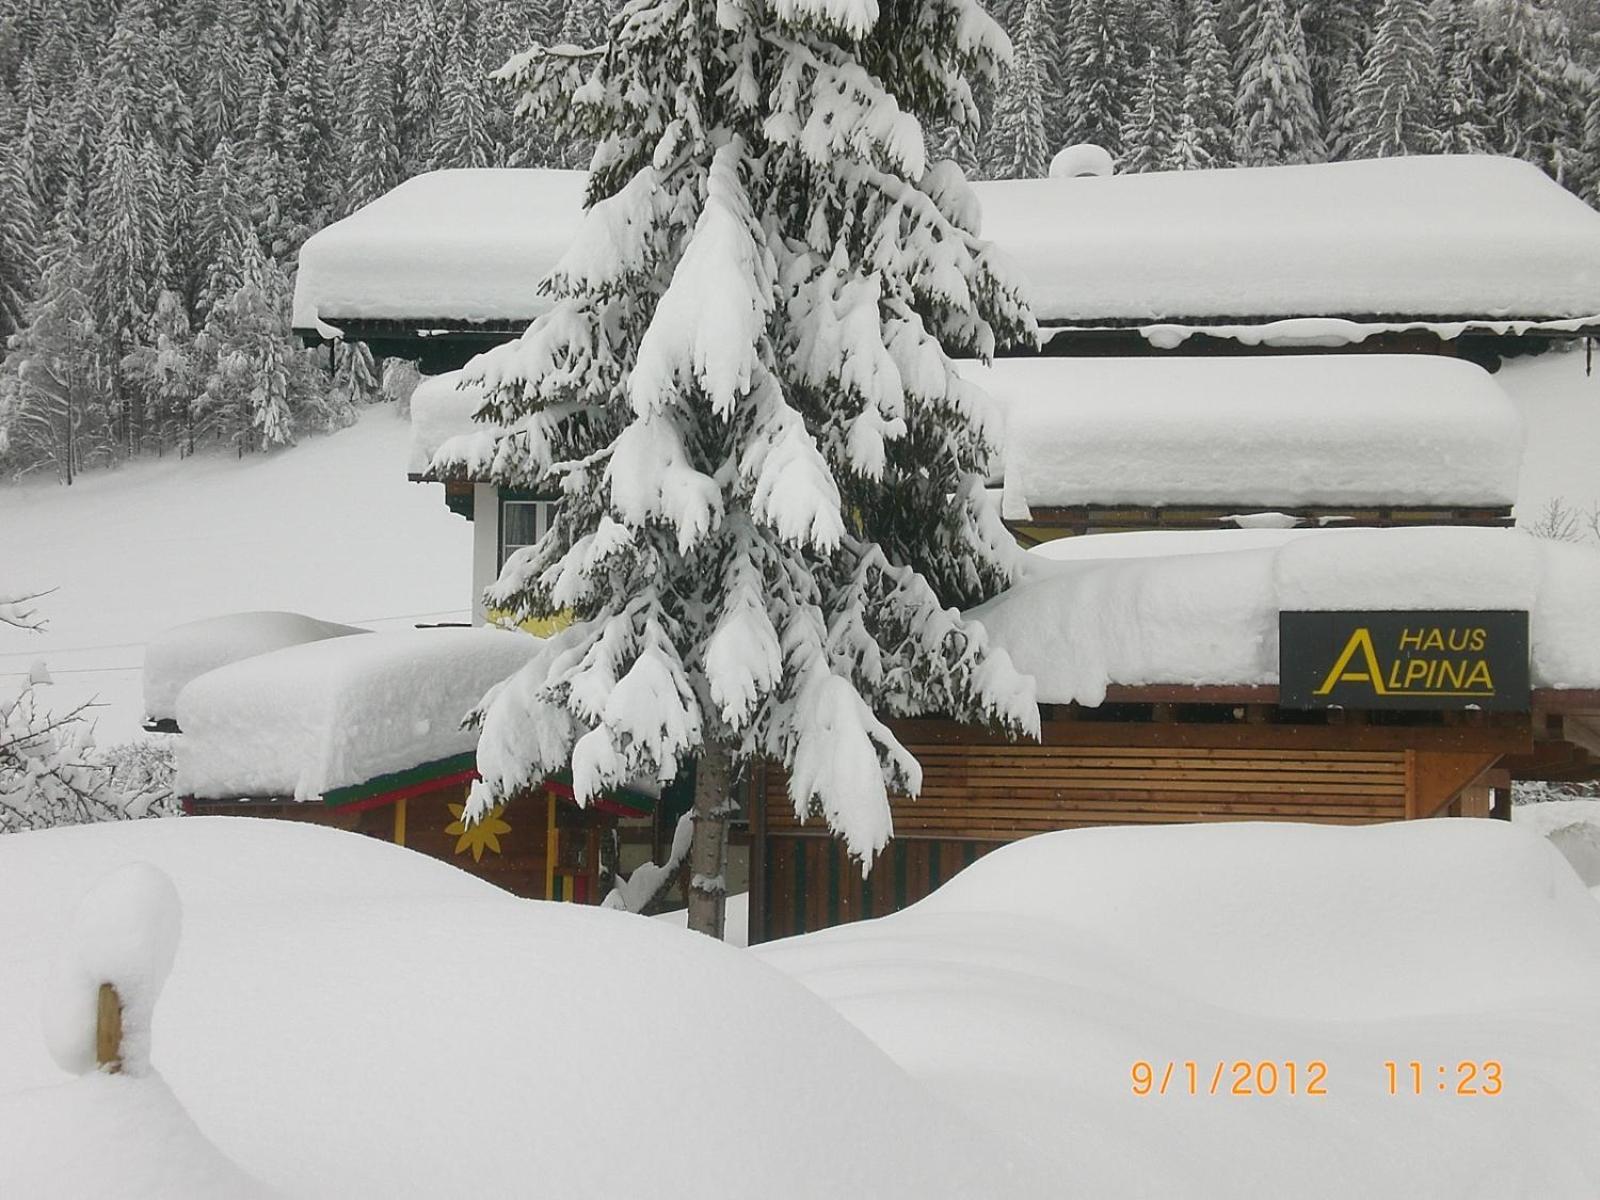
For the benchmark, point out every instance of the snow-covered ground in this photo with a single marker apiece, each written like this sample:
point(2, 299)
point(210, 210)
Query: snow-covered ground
point(330, 528)
point(374, 1023)
point(1027, 989)
point(348, 1019)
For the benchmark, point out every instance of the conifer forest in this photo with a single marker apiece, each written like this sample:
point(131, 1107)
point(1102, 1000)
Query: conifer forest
point(161, 161)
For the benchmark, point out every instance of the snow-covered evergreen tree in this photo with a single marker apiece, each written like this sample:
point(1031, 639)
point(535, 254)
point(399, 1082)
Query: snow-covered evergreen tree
point(373, 146)
point(1019, 149)
point(254, 383)
point(1531, 108)
point(57, 366)
point(1205, 131)
point(1277, 121)
point(771, 477)
point(462, 136)
point(1097, 75)
point(20, 219)
point(1151, 128)
point(1460, 115)
point(165, 366)
point(1395, 99)
point(355, 375)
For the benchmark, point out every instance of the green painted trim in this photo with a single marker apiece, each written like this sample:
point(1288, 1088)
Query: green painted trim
point(395, 780)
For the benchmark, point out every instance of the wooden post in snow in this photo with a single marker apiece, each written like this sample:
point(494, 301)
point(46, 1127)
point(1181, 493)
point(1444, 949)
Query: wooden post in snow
point(108, 1030)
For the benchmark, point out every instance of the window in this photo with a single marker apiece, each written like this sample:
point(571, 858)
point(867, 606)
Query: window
point(522, 523)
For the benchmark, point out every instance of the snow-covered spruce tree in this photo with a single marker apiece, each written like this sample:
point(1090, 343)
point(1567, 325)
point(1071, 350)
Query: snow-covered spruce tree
point(1531, 107)
point(1395, 99)
point(1019, 146)
point(1277, 122)
point(1097, 74)
point(1461, 116)
point(771, 476)
point(1205, 130)
point(1150, 130)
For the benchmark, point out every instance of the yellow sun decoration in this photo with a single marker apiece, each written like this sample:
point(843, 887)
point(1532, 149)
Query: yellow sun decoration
point(484, 835)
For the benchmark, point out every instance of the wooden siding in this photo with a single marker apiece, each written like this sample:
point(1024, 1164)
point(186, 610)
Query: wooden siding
point(979, 792)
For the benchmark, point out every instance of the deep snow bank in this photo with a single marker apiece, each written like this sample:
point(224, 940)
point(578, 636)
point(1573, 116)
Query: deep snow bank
point(347, 1018)
point(1027, 988)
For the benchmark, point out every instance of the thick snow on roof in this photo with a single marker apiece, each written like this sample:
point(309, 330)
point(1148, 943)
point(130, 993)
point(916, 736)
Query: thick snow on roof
point(1271, 432)
point(1413, 238)
point(186, 652)
point(468, 245)
point(1426, 236)
point(1025, 990)
point(302, 721)
point(441, 409)
point(334, 990)
point(1080, 625)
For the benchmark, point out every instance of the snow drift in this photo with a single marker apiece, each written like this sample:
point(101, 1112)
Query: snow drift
point(349, 1018)
point(1025, 990)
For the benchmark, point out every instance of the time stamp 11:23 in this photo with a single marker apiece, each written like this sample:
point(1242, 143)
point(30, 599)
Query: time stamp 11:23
point(1288, 1077)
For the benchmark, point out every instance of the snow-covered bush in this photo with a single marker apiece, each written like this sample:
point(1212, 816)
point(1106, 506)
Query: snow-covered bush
point(49, 774)
point(143, 772)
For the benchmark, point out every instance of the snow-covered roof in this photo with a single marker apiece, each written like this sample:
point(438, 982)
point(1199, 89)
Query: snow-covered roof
point(1284, 432)
point(1423, 237)
point(441, 409)
point(1280, 432)
point(1407, 240)
point(465, 245)
point(305, 720)
point(188, 651)
point(1189, 616)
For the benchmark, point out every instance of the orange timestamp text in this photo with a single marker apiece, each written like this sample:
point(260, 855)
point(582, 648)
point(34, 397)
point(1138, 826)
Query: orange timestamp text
point(1468, 1077)
point(1240, 1077)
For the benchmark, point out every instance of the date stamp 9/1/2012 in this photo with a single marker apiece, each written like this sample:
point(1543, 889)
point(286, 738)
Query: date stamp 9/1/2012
point(1309, 1078)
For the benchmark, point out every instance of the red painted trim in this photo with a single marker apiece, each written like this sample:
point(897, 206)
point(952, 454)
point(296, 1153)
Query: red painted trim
point(405, 793)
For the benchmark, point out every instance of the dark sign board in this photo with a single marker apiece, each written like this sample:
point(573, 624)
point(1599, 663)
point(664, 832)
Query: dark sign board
point(1403, 660)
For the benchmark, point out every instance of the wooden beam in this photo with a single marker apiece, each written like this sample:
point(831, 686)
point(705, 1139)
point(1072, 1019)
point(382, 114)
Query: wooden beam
point(1434, 779)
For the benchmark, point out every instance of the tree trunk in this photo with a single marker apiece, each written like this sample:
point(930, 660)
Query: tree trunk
point(708, 888)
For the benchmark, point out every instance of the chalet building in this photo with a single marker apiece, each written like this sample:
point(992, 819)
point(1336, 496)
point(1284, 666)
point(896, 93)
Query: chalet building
point(1296, 599)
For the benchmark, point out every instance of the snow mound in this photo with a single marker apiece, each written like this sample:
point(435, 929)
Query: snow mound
point(1082, 159)
point(347, 989)
point(302, 721)
point(187, 651)
point(1027, 988)
point(125, 933)
point(1282, 432)
point(1079, 625)
point(110, 1135)
point(1572, 826)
